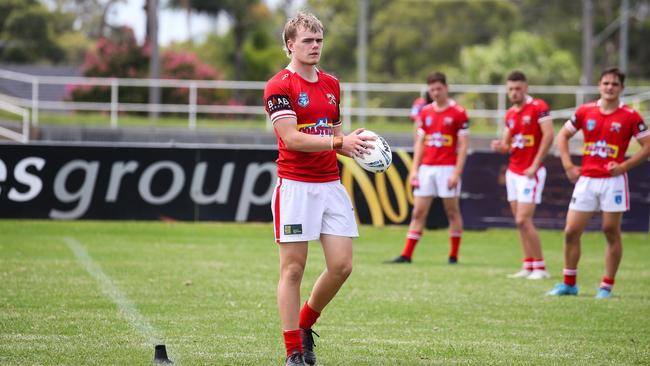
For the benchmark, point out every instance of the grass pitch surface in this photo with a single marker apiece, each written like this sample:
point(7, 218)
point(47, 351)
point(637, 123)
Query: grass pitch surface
point(208, 292)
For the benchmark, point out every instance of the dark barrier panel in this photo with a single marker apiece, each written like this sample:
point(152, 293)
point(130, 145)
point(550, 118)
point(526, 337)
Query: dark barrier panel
point(150, 183)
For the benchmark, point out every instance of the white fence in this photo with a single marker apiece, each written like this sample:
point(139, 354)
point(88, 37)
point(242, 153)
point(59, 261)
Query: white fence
point(633, 95)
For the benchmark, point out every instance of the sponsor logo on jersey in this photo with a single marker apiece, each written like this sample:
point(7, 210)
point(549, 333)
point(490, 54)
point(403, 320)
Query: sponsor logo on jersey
point(322, 127)
point(278, 102)
point(428, 121)
point(331, 99)
point(520, 141)
point(526, 120)
point(437, 139)
point(601, 149)
point(591, 124)
point(303, 99)
point(615, 127)
point(447, 121)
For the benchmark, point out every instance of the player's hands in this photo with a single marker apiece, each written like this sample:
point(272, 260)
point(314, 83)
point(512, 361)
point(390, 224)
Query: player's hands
point(615, 168)
point(498, 146)
point(413, 178)
point(453, 180)
point(531, 171)
point(357, 145)
point(573, 173)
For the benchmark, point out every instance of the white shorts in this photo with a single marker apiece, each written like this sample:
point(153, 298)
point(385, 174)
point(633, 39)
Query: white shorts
point(522, 189)
point(601, 194)
point(303, 211)
point(433, 182)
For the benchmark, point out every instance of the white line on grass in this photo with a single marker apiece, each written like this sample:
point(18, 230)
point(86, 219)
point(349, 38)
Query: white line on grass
point(124, 304)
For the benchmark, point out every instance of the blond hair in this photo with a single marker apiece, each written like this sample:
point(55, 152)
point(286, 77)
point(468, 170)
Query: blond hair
point(301, 20)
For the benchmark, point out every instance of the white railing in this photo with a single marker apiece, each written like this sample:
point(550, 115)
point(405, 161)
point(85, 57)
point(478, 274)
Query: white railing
point(192, 108)
point(21, 112)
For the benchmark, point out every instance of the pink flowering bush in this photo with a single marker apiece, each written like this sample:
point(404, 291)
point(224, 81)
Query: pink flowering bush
point(120, 56)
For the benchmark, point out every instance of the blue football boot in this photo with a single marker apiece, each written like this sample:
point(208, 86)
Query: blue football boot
point(562, 289)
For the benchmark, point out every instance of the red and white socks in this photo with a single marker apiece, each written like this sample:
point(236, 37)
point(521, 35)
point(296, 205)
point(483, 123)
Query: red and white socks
point(528, 264)
point(607, 284)
point(570, 276)
point(412, 238)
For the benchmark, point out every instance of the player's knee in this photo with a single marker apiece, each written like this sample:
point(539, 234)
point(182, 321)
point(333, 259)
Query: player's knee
point(342, 269)
point(612, 233)
point(418, 214)
point(293, 272)
point(522, 222)
point(571, 234)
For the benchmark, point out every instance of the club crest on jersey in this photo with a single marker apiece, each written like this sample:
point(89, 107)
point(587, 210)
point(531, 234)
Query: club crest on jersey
point(615, 127)
point(303, 99)
point(428, 121)
point(526, 119)
point(511, 123)
point(447, 121)
point(591, 124)
point(331, 99)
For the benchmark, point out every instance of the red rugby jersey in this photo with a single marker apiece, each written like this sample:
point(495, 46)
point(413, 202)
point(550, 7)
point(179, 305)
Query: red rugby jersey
point(440, 129)
point(526, 132)
point(416, 108)
point(606, 136)
point(315, 105)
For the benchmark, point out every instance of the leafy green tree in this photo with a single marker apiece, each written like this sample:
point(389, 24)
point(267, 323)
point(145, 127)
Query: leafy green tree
point(538, 57)
point(243, 15)
point(28, 33)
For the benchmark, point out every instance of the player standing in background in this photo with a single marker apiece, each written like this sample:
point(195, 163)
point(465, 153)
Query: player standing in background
point(416, 108)
point(439, 156)
point(528, 137)
point(601, 183)
point(309, 202)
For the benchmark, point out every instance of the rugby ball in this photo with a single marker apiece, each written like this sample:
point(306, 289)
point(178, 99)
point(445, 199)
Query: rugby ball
point(379, 158)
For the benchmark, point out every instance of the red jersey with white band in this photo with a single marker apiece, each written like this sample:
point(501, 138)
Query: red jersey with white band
point(441, 129)
point(315, 105)
point(416, 108)
point(606, 136)
point(526, 133)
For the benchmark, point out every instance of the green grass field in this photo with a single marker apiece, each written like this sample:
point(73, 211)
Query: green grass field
point(208, 291)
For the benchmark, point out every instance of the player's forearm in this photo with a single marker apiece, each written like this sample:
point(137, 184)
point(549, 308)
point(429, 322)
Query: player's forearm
point(563, 146)
point(638, 157)
point(417, 155)
point(311, 143)
point(461, 159)
point(545, 146)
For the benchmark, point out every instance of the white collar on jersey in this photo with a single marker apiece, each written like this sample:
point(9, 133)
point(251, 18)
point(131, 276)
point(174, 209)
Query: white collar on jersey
point(620, 103)
point(529, 99)
point(450, 103)
point(294, 71)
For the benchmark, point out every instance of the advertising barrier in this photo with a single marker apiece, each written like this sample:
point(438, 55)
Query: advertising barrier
point(226, 184)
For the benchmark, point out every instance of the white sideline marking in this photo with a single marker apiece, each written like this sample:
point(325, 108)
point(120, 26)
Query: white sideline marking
point(126, 307)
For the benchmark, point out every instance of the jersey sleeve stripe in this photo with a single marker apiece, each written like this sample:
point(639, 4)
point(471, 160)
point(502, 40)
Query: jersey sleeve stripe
point(545, 119)
point(463, 132)
point(642, 134)
point(569, 126)
point(281, 114)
